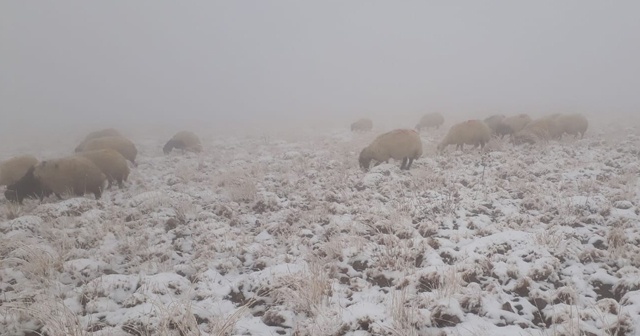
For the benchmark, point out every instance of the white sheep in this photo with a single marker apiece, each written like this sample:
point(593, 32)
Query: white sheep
point(122, 145)
point(185, 140)
point(362, 125)
point(399, 144)
point(573, 124)
point(541, 129)
point(98, 134)
point(512, 124)
point(68, 175)
point(429, 120)
point(471, 132)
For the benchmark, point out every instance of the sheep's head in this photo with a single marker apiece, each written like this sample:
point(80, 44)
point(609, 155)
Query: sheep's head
point(365, 159)
point(27, 186)
point(168, 147)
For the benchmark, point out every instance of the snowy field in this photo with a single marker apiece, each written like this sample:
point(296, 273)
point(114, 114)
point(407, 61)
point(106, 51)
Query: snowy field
point(285, 235)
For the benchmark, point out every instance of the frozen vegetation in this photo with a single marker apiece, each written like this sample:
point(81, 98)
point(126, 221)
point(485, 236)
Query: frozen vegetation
point(266, 235)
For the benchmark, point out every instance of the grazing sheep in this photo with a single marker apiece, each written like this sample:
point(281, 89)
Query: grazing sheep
point(494, 122)
point(573, 124)
point(547, 127)
point(98, 134)
point(111, 163)
point(15, 168)
point(399, 144)
point(184, 140)
point(123, 145)
point(74, 174)
point(26, 187)
point(470, 132)
point(362, 125)
point(512, 124)
point(541, 129)
point(434, 119)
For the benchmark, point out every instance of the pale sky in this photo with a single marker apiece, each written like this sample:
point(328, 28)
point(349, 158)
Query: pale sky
point(226, 61)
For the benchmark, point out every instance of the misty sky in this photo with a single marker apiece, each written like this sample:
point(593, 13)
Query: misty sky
point(222, 61)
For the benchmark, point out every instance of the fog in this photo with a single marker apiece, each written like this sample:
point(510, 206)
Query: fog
point(222, 64)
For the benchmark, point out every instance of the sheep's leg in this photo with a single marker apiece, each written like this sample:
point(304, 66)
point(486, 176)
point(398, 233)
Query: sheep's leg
point(120, 183)
point(403, 166)
point(42, 194)
point(410, 162)
point(97, 192)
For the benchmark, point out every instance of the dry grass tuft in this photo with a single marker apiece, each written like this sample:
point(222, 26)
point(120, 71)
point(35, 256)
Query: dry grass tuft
point(308, 292)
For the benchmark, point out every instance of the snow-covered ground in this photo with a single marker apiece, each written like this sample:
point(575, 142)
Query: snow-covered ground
point(285, 235)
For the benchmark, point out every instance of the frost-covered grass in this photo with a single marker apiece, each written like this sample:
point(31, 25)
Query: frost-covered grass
point(286, 235)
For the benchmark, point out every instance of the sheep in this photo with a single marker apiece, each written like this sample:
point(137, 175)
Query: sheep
point(98, 134)
point(471, 132)
point(362, 125)
point(123, 145)
point(573, 124)
point(73, 174)
point(544, 128)
point(550, 124)
point(111, 163)
point(434, 119)
point(184, 140)
point(512, 124)
point(494, 121)
point(398, 144)
point(11, 170)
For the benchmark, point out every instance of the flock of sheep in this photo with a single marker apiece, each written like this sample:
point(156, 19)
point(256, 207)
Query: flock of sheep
point(405, 144)
point(101, 157)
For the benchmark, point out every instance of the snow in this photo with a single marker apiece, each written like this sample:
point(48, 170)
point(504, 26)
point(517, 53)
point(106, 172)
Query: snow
point(287, 235)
